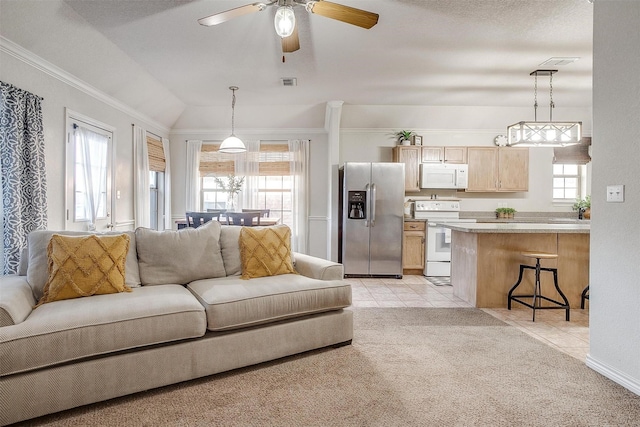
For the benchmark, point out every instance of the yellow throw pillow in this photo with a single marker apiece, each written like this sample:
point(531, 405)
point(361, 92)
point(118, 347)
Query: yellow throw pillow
point(265, 251)
point(81, 266)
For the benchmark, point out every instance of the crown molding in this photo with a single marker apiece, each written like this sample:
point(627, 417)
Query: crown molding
point(265, 131)
point(65, 77)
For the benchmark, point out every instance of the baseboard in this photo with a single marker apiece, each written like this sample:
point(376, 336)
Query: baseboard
point(632, 384)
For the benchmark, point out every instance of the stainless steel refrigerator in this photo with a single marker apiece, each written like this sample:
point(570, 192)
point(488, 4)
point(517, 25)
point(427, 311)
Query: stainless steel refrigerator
point(372, 219)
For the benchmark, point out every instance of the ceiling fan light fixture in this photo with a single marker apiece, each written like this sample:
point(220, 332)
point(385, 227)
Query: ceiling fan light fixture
point(232, 144)
point(284, 21)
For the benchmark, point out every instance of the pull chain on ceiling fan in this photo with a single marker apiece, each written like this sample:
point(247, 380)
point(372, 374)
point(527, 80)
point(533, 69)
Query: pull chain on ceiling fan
point(285, 19)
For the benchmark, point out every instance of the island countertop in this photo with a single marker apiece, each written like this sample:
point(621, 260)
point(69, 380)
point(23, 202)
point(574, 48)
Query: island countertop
point(514, 227)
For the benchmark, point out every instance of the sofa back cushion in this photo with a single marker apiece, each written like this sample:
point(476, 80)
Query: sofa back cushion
point(179, 257)
point(38, 265)
point(229, 238)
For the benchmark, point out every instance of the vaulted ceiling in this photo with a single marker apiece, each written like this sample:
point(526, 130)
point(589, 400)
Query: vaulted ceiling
point(421, 52)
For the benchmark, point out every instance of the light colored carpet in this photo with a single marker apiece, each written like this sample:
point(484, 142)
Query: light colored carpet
point(406, 367)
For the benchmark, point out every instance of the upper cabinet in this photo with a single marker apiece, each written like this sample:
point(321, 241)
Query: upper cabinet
point(410, 155)
point(498, 169)
point(444, 154)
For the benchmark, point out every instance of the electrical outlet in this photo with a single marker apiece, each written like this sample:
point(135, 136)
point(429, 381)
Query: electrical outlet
point(615, 193)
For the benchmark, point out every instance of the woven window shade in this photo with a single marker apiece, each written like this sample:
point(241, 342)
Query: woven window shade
point(275, 159)
point(214, 163)
point(574, 154)
point(156, 155)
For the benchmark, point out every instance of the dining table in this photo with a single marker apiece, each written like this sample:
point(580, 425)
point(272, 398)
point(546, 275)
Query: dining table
point(264, 222)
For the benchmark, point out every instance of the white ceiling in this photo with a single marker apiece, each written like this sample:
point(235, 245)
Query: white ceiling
point(421, 52)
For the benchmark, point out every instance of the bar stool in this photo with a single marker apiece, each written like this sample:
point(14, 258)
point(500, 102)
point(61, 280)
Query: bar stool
point(537, 296)
point(584, 296)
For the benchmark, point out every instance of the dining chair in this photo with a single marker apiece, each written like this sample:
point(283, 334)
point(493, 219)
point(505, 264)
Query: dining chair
point(196, 219)
point(243, 218)
point(264, 213)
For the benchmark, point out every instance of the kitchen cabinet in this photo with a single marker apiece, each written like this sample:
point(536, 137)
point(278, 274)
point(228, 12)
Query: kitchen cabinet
point(410, 156)
point(413, 246)
point(498, 169)
point(444, 155)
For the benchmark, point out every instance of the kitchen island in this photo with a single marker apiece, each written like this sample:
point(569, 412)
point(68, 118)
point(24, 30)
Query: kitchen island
point(485, 260)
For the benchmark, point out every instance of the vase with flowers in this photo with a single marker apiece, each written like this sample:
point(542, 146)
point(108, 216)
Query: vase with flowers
point(231, 185)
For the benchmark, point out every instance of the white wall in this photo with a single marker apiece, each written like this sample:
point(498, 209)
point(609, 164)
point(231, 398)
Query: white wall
point(615, 227)
point(58, 95)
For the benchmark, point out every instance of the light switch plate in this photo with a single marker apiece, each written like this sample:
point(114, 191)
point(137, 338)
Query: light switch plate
point(615, 193)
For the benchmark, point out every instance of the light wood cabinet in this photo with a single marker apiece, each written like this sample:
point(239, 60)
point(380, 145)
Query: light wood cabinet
point(444, 154)
point(432, 154)
point(410, 156)
point(455, 155)
point(413, 245)
point(498, 169)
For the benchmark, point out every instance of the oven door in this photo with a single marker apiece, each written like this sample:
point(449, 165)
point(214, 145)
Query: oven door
point(438, 243)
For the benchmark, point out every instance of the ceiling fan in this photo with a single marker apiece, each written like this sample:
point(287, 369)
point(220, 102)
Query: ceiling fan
point(284, 20)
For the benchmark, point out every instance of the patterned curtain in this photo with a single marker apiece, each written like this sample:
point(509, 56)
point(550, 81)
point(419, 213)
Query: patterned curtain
point(22, 171)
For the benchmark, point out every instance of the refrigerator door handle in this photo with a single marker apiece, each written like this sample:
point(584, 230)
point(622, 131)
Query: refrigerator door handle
point(368, 190)
point(373, 204)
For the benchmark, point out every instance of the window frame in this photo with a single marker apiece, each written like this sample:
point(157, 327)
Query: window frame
point(580, 177)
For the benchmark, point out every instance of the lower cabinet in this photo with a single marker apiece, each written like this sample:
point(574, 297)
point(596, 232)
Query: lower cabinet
point(413, 246)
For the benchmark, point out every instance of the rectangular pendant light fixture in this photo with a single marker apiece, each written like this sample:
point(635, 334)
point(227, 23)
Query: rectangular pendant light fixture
point(544, 134)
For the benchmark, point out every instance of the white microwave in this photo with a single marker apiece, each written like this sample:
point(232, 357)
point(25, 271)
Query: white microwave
point(443, 175)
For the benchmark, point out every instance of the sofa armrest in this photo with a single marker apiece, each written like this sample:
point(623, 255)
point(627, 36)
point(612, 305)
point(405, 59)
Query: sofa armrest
point(317, 268)
point(16, 300)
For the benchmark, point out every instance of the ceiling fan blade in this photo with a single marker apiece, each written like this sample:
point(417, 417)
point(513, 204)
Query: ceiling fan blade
point(347, 14)
point(221, 17)
point(291, 43)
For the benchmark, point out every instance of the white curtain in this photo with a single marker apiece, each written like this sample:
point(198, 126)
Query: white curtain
point(299, 194)
point(193, 175)
point(142, 190)
point(166, 147)
point(247, 165)
point(92, 147)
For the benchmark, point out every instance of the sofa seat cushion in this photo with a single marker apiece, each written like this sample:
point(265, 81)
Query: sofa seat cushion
point(72, 329)
point(231, 302)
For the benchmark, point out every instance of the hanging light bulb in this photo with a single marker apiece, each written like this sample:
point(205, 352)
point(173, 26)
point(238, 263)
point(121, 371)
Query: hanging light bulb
point(232, 144)
point(285, 21)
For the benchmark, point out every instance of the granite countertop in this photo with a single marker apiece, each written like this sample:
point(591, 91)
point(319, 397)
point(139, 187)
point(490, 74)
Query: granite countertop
point(515, 227)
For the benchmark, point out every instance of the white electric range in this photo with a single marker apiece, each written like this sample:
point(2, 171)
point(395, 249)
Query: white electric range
point(438, 252)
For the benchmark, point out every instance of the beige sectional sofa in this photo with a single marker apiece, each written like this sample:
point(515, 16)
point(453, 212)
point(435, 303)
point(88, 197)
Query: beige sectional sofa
point(189, 315)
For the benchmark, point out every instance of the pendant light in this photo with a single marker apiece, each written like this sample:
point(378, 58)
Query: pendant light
point(544, 134)
point(284, 21)
point(232, 144)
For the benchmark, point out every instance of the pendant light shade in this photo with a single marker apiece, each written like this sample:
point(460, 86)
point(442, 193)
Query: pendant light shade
point(232, 144)
point(544, 134)
point(284, 21)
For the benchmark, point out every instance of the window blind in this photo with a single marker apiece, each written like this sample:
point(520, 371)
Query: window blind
point(214, 163)
point(275, 159)
point(157, 161)
point(574, 154)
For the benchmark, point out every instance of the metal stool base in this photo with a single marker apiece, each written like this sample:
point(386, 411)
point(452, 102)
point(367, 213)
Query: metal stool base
point(537, 294)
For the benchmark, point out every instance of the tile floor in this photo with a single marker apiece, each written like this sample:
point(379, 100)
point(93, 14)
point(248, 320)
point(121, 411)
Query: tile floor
point(416, 291)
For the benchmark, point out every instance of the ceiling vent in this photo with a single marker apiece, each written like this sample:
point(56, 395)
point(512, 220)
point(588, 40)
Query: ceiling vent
point(289, 81)
point(559, 61)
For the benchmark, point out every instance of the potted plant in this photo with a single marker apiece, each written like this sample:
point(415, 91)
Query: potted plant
point(505, 213)
point(404, 136)
point(232, 185)
point(583, 206)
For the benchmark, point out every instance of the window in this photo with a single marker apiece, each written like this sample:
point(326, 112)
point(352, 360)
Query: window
point(268, 186)
point(570, 171)
point(89, 161)
point(566, 182)
point(157, 165)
